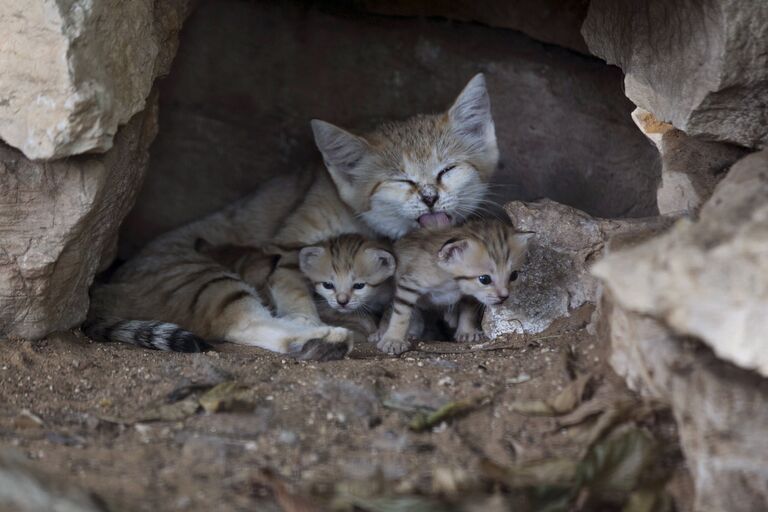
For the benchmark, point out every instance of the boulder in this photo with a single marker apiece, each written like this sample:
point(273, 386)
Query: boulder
point(556, 279)
point(701, 65)
point(721, 410)
point(72, 72)
point(707, 279)
point(551, 21)
point(249, 76)
point(59, 222)
point(690, 167)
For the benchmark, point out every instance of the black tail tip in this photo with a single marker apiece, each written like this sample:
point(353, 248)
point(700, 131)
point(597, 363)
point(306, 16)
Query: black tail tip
point(187, 342)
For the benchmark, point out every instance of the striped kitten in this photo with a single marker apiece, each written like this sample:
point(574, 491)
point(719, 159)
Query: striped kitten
point(423, 171)
point(351, 274)
point(478, 261)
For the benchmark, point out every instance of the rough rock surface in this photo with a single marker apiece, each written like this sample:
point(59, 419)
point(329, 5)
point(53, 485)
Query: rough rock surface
point(72, 72)
point(690, 167)
point(701, 65)
point(555, 280)
point(59, 222)
point(550, 21)
point(707, 279)
point(249, 76)
point(721, 410)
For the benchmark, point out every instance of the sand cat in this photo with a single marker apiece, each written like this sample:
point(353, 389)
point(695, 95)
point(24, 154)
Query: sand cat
point(351, 276)
point(428, 170)
point(479, 261)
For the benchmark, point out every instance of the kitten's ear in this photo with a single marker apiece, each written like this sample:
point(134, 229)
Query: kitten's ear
point(308, 257)
point(341, 150)
point(452, 253)
point(470, 116)
point(384, 263)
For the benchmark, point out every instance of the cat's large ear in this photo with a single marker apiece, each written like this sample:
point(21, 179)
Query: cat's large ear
point(342, 151)
point(452, 253)
point(308, 257)
point(471, 119)
point(383, 263)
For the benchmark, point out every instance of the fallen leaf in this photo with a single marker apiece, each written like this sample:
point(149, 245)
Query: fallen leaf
point(447, 412)
point(562, 403)
point(166, 412)
point(228, 397)
point(617, 465)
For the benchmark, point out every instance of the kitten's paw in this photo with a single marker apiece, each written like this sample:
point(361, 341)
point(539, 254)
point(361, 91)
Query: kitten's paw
point(339, 334)
point(375, 337)
point(476, 335)
point(393, 346)
point(321, 350)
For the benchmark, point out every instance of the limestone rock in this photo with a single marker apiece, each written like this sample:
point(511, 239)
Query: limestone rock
point(72, 72)
point(721, 410)
point(555, 280)
point(701, 65)
point(690, 167)
point(550, 21)
point(561, 119)
point(58, 220)
point(707, 279)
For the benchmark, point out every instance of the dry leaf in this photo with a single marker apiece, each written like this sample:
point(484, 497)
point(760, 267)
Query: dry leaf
point(563, 403)
point(228, 397)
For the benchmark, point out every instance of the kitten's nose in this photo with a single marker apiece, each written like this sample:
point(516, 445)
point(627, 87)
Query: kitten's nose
point(503, 298)
point(342, 299)
point(429, 200)
point(429, 195)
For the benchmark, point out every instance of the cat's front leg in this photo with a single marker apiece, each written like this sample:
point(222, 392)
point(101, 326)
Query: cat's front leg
point(468, 328)
point(242, 319)
point(394, 340)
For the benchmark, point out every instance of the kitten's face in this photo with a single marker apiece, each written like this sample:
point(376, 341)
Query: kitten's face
point(486, 264)
point(426, 171)
point(349, 275)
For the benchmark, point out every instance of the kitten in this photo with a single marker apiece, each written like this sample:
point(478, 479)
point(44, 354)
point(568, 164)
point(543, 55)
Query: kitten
point(351, 274)
point(423, 171)
point(477, 262)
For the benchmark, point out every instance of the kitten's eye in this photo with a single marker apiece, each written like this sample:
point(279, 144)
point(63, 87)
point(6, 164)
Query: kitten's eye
point(327, 285)
point(358, 286)
point(485, 279)
point(513, 276)
point(445, 170)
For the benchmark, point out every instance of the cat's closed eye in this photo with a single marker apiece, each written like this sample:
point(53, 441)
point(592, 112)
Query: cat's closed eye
point(444, 171)
point(358, 286)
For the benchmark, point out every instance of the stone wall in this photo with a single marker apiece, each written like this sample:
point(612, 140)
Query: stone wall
point(77, 114)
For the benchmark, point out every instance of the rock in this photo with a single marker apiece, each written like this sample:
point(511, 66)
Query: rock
point(561, 119)
point(59, 223)
point(550, 21)
point(700, 65)
point(707, 279)
point(690, 167)
point(721, 410)
point(25, 488)
point(72, 72)
point(555, 280)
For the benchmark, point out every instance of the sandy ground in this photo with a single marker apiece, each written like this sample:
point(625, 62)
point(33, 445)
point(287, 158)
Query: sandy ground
point(103, 417)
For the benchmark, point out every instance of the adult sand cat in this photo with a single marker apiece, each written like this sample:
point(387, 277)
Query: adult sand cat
point(426, 170)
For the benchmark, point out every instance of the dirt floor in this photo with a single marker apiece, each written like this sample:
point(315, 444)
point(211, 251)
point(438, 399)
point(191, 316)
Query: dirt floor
point(141, 429)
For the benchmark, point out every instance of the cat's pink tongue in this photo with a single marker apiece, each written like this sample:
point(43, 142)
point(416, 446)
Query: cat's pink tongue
point(431, 220)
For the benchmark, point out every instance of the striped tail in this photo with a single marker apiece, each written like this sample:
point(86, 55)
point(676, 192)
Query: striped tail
point(146, 333)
